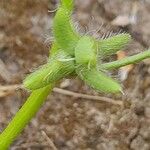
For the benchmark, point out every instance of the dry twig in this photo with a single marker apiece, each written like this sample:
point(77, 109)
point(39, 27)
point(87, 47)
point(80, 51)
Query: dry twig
point(88, 97)
point(6, 90)
point(50, 142)
point(30, 145)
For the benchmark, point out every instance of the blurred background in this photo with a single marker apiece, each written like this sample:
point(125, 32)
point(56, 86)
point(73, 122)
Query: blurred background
point(66, 122)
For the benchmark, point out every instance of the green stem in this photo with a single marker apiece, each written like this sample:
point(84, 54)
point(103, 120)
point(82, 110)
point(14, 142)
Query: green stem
point(23, 116)
point(126, 61)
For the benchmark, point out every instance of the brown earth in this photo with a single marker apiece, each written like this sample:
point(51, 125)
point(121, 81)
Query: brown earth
point(66, 122)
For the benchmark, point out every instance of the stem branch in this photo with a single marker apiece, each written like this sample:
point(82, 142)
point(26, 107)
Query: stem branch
point(23, 116)
point(126, 61)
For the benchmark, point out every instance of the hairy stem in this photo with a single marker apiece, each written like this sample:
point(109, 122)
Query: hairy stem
point(23, 116)
point(126, 61)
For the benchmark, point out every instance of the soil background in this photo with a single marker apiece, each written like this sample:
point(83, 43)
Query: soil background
point(65, 122)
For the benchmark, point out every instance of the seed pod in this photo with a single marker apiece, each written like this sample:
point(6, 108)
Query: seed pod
point(113, 44)
point(54, 49)
point(85, 51)
point(98, 80)
point(64, 33)
point(51, 72)
point(68, 4)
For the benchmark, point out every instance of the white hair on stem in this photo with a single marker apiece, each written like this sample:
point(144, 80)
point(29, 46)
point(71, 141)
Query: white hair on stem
point(54, 10)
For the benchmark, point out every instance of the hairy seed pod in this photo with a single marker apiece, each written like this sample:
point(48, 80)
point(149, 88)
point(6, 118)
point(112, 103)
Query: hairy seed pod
point(68, 4)
point(113, 44)
point(51, 72)
point(98, 80)
point(54, 49)
point(85, 51)
point(64, 33)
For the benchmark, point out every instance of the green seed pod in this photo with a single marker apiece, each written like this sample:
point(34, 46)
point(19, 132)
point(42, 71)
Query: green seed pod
point(51, 72)
point(54, 49)
point(113, 44)
point(68, 4)
point(98, 80)
point(64, 32)
point(85, 51)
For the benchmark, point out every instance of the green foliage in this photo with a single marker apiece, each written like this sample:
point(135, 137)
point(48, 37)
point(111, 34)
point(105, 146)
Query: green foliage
point(70, 53)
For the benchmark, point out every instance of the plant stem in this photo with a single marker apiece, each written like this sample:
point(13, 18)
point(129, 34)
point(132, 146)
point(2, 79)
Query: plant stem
point(23, 116)
point(126, 61)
